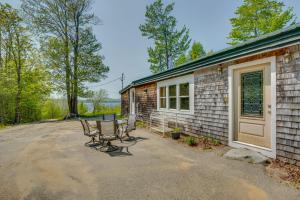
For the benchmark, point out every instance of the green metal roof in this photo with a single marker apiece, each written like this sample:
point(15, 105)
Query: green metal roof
point(269, 41)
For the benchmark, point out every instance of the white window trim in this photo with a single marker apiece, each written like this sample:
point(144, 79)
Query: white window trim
point(236, 144)
point(158, 95)
point(176, 97)
point(176, 81)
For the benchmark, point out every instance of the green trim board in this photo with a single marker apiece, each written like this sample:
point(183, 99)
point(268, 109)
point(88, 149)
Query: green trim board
point(277, 39)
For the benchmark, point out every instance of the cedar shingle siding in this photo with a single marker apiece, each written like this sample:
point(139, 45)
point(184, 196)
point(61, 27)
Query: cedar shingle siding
point(288, 107)
point(125, 103)
point(211, 107)
point(146, 99)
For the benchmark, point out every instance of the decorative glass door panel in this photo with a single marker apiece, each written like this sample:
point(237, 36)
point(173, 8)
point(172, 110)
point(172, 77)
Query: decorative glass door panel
point(252, 94)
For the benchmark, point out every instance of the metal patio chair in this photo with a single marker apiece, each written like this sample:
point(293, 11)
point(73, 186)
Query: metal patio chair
point(127, 125)
point(107, 133)
point(88, 132)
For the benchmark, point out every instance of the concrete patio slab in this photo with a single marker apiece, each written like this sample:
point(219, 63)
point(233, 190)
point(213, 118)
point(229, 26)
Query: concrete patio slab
point(50, 161)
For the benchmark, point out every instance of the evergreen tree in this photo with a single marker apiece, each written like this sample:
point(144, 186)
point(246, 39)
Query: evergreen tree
point(196, 51)
point(258, 17)
point(169, 42)
point(181, 59)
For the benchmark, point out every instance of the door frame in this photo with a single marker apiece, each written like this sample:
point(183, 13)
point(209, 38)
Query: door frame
point(130, 101)
point(270, 152)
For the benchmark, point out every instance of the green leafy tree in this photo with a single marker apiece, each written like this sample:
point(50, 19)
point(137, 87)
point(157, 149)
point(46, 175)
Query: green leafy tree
point(97, 98)
point(169, 42)
point(72, 50)
point(196, 51)
point(181, 59)
point(24, 81)
point(51, 110)
point(258, 17)
point(82, 108)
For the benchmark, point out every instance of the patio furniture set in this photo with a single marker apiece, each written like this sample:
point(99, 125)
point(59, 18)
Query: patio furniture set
point(106, 130)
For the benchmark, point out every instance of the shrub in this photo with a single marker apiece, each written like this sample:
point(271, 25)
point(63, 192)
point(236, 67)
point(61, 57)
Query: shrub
point(140, 124)
point(82, 108)
point(51, 110)
point(216, 142)
point(191, 141)
point(209, 141)
point(176, 130)
point(101, 109)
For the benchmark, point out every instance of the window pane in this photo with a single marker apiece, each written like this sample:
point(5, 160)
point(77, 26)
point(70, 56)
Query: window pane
point(252, 93)
point(184, 103)
point(162, 91)
point(172, 102)
point(162, 102)
point(184, 89)
point(172, 90)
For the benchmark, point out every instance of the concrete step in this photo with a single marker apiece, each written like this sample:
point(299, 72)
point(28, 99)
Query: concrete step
point(246, 155)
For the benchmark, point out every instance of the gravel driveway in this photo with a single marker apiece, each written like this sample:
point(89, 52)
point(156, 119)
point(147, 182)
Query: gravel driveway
point(50, 161)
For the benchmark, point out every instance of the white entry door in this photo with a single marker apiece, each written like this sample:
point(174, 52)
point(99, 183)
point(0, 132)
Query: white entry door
point(132, 101)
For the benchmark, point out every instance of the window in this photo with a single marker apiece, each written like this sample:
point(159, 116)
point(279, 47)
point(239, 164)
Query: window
point(184, 97)
point(176, 94)
point(252, 94)
point(162, 97)
point(172, 97)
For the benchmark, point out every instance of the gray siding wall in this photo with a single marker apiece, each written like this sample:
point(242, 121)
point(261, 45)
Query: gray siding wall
point(211, 108)
point(288, 107)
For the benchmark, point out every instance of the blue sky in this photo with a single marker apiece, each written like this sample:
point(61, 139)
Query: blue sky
point(124, 48)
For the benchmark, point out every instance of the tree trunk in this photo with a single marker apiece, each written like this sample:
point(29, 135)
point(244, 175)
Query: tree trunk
point(166, 49)
point(18, 95)
point(75, 82)
point(67, 61)
point(68, 73)
point(0, 48)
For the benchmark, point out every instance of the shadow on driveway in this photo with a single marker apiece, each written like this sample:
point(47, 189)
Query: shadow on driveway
point(121, 148)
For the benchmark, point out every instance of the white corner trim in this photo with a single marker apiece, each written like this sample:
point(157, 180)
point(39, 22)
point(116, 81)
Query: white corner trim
point(176, 81)
point(132, 104)
point(265, 151)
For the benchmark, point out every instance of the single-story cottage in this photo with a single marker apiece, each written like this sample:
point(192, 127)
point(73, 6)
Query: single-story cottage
point(246, 96)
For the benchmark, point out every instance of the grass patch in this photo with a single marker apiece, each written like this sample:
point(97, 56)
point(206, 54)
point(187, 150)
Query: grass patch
point(2, 126)
point(141, 124)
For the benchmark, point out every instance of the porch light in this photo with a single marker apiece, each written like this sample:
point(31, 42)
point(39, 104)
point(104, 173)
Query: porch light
point(287, 57)
point(225, 98)
point(220, 70)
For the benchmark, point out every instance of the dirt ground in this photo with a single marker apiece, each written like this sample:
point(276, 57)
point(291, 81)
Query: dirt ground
point(50, 161)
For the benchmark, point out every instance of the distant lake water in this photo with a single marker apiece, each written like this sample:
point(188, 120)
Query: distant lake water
point(106, 104)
